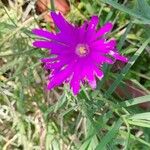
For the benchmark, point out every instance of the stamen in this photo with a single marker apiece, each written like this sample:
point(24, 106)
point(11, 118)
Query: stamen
point(82, 50)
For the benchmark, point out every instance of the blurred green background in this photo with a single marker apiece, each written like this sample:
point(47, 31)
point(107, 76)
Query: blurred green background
point(112, 117)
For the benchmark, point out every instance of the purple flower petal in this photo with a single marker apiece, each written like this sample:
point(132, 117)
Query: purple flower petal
point(59, 38)
point(61, 23)
point(90, 34)
point(75, 81)
point(98, 73)
point(93, 22)
point(119, 57)
point(90, 77)
point(58, 65)
point(42, 44)
point(54, 47)
point(100, 59)
point(44, 33)
point(111, 44)
point(104, 29)
point(60, 77)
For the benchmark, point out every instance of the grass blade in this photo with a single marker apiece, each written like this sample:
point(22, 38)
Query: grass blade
point(131, 12)
point(126, 68)
point(135, 101)
point(109, 136)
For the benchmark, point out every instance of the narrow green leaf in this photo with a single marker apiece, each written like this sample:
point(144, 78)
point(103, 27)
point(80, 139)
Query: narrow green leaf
point(125, 134)
point(135, 101)
point(123, 37)
point(127, 10)
point(52, 5)
point(141, 123)
point(93, 143)
point(109, 136)
point(126, 68)
point(143, 8)
point(143, 116)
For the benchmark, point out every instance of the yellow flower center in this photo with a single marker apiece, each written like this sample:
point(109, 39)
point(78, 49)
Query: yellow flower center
point(82, 50)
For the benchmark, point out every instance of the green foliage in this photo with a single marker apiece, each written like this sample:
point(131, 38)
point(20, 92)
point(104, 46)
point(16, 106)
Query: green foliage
point(33, 118)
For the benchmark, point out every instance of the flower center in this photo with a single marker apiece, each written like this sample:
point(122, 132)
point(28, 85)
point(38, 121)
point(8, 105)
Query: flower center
point(82, 50)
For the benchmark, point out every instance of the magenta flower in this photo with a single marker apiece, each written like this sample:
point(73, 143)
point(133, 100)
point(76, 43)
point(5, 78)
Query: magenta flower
point(77, 53)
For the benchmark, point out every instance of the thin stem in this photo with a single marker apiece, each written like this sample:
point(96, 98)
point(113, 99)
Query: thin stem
point(52, 5)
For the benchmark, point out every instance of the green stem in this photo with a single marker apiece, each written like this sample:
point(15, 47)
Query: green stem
point(52, 5)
